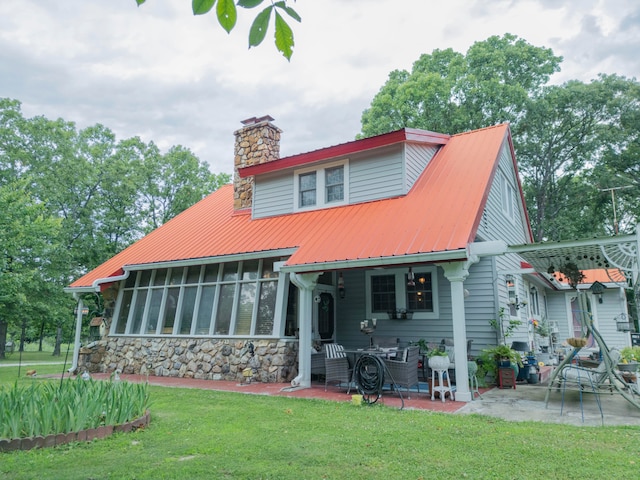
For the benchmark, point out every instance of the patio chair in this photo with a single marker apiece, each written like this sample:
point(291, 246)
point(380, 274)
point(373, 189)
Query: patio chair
point(336, 366)
point(404, 372)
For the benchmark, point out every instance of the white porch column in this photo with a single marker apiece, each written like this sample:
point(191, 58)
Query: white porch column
point(306, 283)
point(456, 273)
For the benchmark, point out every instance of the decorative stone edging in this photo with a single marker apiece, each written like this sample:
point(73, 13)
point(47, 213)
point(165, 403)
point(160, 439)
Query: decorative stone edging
point(27, 443)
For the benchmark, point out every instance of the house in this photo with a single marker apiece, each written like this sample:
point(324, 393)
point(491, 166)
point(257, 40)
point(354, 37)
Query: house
point(301, 250)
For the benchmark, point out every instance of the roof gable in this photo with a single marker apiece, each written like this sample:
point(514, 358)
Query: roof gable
point(439, 214)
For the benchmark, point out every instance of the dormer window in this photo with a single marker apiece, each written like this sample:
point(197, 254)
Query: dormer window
point(321, 186)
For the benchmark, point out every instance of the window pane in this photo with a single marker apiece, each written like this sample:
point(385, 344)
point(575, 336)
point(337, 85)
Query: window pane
point(335, 184)
point(291, 323)
point(383, 293)
point(124, 311)
point(138, 311)
point(245, 309)
point(130, 282)
point(308, 181)
point(420, 295)
point(211, 272)
point(225, 307)
point(145, 276)
point(249, 269)
point(230, 271)
point(205, 309)
point(307, 189)
point(161, 276)
point(154, 310)
point(193, 274)
point(170, 310)
point(176, 276)
point(267, 268)
point(186, 311)
point(266, 308)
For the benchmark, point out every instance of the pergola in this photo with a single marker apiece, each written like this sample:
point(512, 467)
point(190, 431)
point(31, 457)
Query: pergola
point(567, 260)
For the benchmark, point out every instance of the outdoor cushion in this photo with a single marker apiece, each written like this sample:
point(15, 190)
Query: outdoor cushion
point(333, 350)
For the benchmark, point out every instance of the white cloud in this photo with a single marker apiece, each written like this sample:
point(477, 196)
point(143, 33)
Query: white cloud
point(160, 73)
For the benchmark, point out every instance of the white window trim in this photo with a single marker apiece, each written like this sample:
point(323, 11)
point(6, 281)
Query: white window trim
point(507, 197)
point(401, 290)
point(321, 201)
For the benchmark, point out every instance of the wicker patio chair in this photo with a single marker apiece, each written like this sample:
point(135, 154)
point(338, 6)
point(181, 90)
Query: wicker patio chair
point(404, 372)
point(336, 366)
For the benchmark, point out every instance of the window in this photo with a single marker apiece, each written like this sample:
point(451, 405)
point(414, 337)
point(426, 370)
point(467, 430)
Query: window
point(234, 298)
point(534, 302)
point(334, 184)
point(390, 290)
point(508, 197)
point(420, 294)
point(307, 189)
point(383, 293)
point(321, 187)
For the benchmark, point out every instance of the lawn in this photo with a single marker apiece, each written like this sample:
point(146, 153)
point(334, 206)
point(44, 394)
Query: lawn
point(218, 435)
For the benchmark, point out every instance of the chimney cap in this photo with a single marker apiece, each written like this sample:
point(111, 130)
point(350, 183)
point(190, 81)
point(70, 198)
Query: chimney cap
point(256, 120)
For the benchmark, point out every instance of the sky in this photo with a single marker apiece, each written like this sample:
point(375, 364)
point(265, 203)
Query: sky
point(159, 73)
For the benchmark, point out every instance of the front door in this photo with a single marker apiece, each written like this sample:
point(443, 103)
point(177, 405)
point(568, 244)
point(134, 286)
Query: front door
point(325, 315)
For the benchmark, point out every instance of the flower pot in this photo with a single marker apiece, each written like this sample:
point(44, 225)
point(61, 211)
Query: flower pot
point(438, 362)
point(628, 367)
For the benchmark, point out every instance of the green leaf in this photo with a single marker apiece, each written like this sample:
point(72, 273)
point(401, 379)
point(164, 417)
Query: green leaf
point(140, 2)
point(249, 3)
point(227, 14)
point(290, 11)
point(284, 37)
point(200, 7)
point(259, 27)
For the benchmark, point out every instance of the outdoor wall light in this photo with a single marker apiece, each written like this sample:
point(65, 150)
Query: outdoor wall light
point(341, 290)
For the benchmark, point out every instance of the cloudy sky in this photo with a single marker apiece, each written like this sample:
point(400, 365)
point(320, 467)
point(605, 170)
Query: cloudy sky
point(160, 73)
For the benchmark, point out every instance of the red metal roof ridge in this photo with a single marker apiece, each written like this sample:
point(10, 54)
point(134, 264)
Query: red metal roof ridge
point(354, 146)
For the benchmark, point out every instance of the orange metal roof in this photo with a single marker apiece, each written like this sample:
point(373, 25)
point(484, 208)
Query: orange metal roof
point(439, 214)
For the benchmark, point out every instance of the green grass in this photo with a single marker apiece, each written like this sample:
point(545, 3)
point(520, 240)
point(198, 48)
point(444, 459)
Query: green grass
point(220, 435)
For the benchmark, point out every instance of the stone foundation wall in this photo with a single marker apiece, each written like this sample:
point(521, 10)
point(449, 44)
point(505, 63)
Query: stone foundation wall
point(273, 361)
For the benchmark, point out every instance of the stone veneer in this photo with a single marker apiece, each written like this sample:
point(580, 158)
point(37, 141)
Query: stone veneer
point(257, 142)
point(202, 358)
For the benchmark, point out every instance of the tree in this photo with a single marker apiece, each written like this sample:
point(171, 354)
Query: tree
point(572, 141)
point(449, 92)
point(26, 237)
point(227, 15)
point(102, 196)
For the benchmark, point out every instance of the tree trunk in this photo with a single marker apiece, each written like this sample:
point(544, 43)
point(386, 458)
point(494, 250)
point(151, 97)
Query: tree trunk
point(56, 348)
point(3, 337)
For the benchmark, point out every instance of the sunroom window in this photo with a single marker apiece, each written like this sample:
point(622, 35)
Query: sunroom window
point(233, 298)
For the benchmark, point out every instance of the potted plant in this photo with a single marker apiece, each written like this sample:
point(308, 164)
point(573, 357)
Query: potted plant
point(629, 358)
point(493, 358)
point(438, 359)
point(424, 346)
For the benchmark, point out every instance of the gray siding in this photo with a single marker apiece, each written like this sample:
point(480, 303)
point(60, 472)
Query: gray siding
point(373, 175)
point(273, 195)
point(376, 175)
point(417, 158)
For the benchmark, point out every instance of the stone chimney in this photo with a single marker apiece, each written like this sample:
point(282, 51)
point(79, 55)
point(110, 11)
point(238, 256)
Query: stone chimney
point(258, 141)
